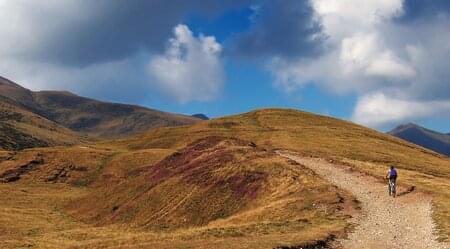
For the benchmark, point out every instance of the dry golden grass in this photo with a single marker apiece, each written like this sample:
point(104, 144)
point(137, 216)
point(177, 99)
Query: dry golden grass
point(292, 205)
point(228, 189)
point(276, 217)
point(32, 216)
point(319, 136)
point(74, 165)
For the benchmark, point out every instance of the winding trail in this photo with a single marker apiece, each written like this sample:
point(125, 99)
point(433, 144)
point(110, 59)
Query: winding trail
point(386, 222)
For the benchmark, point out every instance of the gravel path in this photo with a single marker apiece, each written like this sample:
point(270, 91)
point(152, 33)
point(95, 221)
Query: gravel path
point(386, 222)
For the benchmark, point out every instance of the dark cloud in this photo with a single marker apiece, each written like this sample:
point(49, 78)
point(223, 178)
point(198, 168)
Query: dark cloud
point(86, 32)
point(282, 28)
point(414, 10)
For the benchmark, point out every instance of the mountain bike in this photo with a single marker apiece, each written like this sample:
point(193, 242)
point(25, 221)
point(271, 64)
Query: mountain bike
point(392, 187)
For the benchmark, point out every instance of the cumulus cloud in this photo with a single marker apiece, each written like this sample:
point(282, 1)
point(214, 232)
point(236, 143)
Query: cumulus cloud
point(362, 53)
point(397, 47)
point(378, 109)
point(190, 69)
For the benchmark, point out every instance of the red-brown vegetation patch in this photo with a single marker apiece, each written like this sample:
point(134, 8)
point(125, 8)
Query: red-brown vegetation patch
point(215, 187)
point(204, 181)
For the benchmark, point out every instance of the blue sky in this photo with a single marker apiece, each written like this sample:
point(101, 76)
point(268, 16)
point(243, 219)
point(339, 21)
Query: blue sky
point(376, 63)
point(248, 87)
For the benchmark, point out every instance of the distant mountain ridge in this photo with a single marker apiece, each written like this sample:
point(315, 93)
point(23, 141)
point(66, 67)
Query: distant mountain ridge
point(200, 116)
point(21, 129)
point(436, 141)
point(50, 112)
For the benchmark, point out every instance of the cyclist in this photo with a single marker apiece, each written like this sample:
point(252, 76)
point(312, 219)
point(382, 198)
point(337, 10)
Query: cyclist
point(392, 176)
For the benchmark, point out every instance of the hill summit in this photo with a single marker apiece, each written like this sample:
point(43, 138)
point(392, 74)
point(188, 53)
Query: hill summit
point(427, 138)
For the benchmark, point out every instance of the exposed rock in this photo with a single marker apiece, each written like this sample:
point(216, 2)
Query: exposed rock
point(15, 174)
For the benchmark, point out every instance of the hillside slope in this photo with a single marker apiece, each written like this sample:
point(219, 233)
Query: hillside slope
point(216, 180)
point(364, 149)
point(215, 193)
point(21, 129)
point(89, 116)
point(304, 132)
point(429, 139)
point(141, 191)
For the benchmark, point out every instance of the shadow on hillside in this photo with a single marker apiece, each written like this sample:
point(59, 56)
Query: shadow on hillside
point(407, 191)
point(325, 243)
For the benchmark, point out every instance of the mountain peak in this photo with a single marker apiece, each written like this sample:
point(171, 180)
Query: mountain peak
point(200, 116)
point(403, 127)
point(424, 137)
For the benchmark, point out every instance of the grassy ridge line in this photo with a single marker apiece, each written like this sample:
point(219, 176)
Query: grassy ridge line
point(300, 131)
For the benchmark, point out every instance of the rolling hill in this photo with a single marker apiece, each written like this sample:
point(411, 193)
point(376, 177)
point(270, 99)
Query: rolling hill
point(49, 118)
point(21, 129)
point(361, 148)
point(429, 139)
point(214, 183)
point(89, 116)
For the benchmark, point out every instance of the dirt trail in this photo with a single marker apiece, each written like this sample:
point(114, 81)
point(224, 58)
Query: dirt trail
point(403, 222)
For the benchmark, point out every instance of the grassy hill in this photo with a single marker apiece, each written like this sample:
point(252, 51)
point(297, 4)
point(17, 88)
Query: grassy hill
point(362, 148)
point(148, 190)
point(102, 119)
point(303, 132)
point(222, 186)
point(215, 188)
point(20, 129)
point(88, 116)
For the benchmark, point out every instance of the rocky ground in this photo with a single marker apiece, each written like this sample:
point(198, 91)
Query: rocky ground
point(386, 222)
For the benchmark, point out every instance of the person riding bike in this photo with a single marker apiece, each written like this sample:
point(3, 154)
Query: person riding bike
point(392, 176)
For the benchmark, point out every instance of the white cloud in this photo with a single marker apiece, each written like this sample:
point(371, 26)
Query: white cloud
point(190, 69)
point(369, 51)
point(363, 53)
point(378, 109)
point(344, 17)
